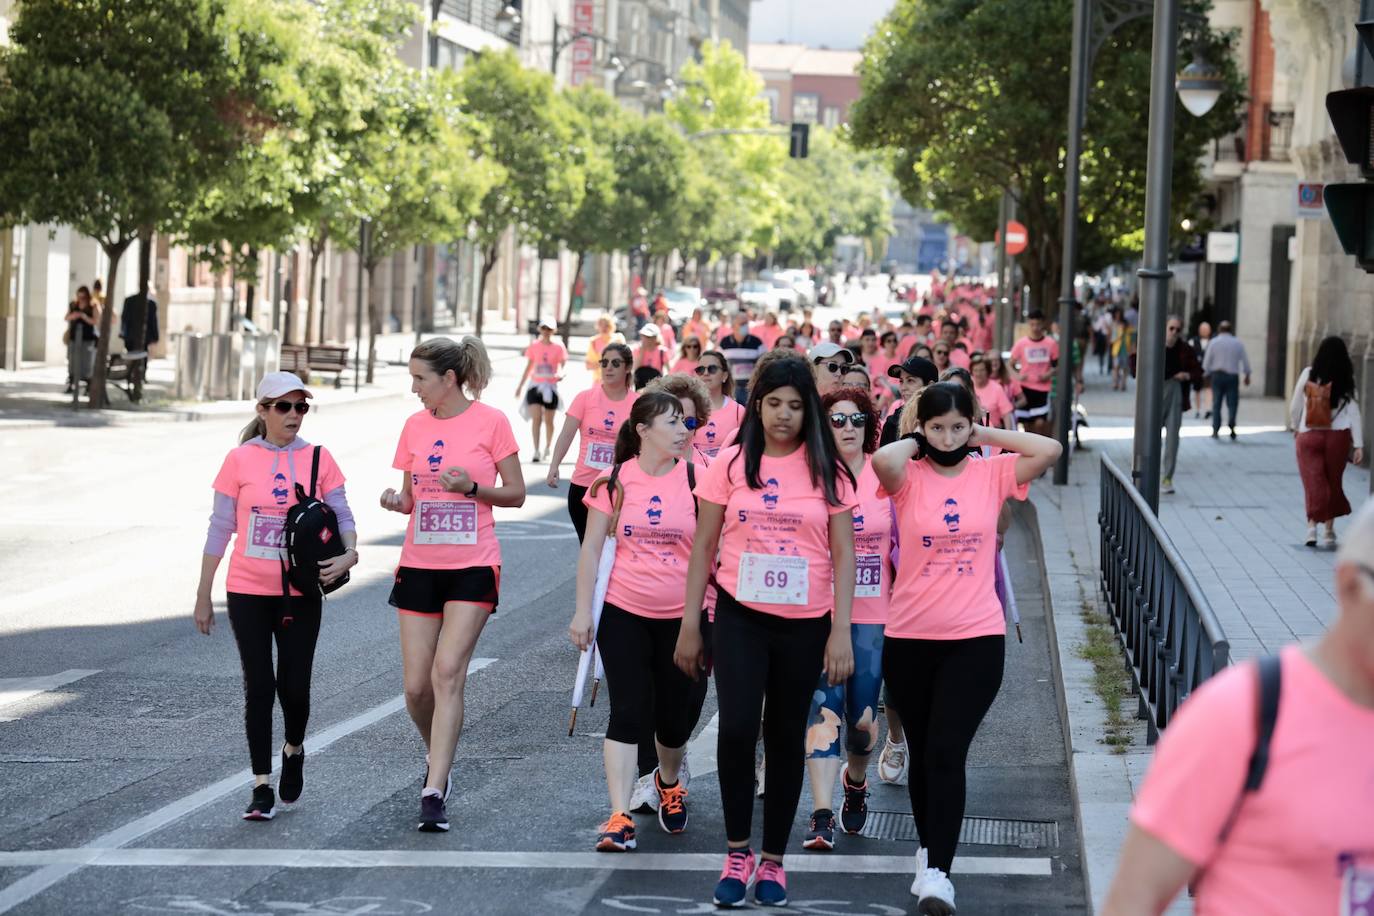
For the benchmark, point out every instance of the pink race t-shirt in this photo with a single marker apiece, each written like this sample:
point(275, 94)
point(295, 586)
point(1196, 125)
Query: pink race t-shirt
point(775, 545)
point(547, 360)
point(448, 530)
point(1309, 829)
point(262, 482)
point(872, 550)
point(1036, 360)
point(768, 333)
point(994, 400)
point(712, 435)
point(652, 357)
point(698, 329)
point(685, 366)
point(653, 540)
point(879, 364)
point(599, 420)
point(948, 530)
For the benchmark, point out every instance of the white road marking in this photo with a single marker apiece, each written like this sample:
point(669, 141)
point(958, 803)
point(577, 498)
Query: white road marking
point(14, 689)
point(424, 858)
point(50, 874)
point(701, 750)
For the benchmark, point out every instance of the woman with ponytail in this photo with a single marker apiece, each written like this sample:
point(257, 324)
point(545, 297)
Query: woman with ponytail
point(646, 501)
point(253, 491)
point(447, 585)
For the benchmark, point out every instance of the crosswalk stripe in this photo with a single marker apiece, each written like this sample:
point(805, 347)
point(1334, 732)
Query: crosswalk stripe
point(14, 689)
point(413, 858)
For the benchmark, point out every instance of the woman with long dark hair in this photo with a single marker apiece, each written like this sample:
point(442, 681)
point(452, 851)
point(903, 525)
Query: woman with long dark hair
point(654, 523)
point(945, 636)
point(595, 416)
point(1326, 426)
point(851, 707)
point(778, 508)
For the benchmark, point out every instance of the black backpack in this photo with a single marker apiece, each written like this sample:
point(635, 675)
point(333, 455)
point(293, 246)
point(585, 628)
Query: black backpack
point(312, 535)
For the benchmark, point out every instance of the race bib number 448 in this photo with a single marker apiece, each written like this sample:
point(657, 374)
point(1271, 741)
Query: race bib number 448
point(266, 537)
point(446, 521)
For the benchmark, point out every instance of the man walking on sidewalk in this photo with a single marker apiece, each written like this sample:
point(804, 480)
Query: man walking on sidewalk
point(1225, 363)
point(1181, 372)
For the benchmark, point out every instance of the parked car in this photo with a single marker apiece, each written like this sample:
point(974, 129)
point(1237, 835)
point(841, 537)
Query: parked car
point(759, 294)
point(682, 301)
point(802, 285)
point(721, 297)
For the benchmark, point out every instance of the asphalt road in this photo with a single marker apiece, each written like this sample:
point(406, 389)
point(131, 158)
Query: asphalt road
point(124, 767)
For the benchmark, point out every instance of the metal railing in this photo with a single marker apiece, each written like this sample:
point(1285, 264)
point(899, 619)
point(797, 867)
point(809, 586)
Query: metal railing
point(1172, 639)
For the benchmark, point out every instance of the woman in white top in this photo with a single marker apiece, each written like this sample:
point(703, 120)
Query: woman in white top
point(1325, 419)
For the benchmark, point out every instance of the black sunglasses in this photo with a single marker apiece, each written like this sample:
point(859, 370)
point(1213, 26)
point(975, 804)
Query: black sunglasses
point(857, 420)
point(707, 370)
point(832, 368)
point(285, 407)
point(692, 346)
point(612, 363)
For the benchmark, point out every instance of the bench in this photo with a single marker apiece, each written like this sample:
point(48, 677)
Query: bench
point(303, 360)
point(131, 369)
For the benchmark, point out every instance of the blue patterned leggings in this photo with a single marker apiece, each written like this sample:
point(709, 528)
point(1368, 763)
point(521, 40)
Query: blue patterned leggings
point(853, 703)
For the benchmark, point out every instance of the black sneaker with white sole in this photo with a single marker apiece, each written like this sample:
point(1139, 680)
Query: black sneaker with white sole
point(448, 783)
point(292, 780)
point(433, 816)
point(264, 805)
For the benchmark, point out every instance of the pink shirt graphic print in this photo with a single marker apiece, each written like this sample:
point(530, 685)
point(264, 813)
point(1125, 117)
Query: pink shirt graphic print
point(599, 421)
point(449, 530)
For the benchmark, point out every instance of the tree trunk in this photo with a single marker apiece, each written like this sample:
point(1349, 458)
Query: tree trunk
point(292, 281)
point(217, 302)
point(488, 262)
point(252, 284)
point(113, 252)
point(572, 294)
point(374, 322)
point(137, 306)
point(316, 249)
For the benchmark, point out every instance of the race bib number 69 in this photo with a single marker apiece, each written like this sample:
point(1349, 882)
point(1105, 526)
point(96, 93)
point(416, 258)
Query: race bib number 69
point(773, 580)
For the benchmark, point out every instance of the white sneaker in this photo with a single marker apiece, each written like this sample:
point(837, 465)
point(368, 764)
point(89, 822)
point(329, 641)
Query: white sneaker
point(1311, 540)
point(936, 892)
point(893, 763)
point(644, 799)
point(1329, 539)
point(922, 857)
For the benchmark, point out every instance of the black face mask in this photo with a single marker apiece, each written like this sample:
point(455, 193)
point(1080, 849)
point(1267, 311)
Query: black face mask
point(944, 458)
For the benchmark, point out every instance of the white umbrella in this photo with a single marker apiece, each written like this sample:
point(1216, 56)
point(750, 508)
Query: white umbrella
point(603, 579)
point(1012, 612)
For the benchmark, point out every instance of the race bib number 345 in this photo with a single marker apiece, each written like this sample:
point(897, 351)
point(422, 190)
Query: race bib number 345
point(770, 579)
point(446, 521)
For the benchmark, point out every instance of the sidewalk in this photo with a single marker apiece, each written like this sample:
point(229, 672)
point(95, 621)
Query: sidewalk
point(1237, 520)
point(35, 396)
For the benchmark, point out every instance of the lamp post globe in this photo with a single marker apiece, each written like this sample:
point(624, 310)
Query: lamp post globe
point(1199, 86)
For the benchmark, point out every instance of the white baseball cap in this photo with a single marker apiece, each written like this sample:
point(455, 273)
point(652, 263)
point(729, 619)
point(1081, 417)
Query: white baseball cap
point(825, 349)
point(548, 323)
point(649, 330)
point(276, 384)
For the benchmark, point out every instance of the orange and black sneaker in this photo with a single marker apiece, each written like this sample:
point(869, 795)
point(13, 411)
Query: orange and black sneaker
point(617, 834)
point(672, 805)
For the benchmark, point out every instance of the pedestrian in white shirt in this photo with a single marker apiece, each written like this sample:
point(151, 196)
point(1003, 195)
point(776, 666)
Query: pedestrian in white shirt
point(1226, 363)
point(1325, 418)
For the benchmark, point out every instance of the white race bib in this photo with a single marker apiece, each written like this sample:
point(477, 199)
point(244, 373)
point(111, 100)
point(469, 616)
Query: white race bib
point(446, 521)
point(868, 575)
point(770, 579)
point(266, 537)
point(600, 455)
point(1357, 888)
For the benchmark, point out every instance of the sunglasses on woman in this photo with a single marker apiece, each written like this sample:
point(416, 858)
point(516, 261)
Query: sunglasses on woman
point(285, 407)
point(691, 423)
point(857, 420)
point(706, 370)
point(832, 368)
point(612, 363)
point(692, 346)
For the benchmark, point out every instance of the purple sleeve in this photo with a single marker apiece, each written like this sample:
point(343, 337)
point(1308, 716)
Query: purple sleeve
point(223, 521)
point(336, 500)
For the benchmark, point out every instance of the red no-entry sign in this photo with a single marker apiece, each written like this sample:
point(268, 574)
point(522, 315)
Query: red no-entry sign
point(1017, 237)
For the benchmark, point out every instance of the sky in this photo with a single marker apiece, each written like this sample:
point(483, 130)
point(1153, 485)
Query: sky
point(815, 22)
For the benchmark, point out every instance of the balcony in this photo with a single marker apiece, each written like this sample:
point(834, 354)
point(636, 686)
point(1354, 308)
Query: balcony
point(483, 14)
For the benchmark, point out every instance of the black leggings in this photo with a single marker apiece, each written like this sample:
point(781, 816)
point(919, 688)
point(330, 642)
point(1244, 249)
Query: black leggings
point(943, 688)
point(256, 619)
point(762, 657)
point(648, 753)
point(577, 511)
point(650, 696)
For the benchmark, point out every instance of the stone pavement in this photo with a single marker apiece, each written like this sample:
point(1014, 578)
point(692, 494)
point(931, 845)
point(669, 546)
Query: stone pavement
point(1237, 520)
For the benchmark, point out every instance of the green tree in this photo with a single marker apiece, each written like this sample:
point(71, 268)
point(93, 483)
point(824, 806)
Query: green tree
point(599, 125)
point(837, 190)
point(527, 129)
point(117, 112)
point(972, 100)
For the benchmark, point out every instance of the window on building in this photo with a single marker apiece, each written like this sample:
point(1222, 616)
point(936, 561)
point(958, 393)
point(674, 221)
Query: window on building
point(805, 108)
point(832, 117)
point(774, 101)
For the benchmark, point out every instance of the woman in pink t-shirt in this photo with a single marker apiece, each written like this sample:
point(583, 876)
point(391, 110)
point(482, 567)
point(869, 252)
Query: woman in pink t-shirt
point(945, 637)
point(595, 416)
point(697, 327)
point(1302, 841)
point(1001, 413)
point(652, 516)
point(854, 703)
point(448, 581)
point(689, 356)
point(544, 361)
point(726, 412)
point(253, 491)
point(778, 509)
